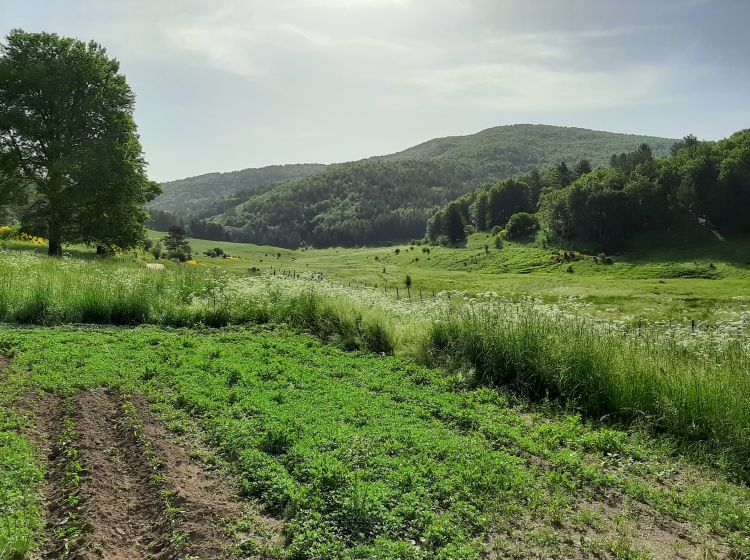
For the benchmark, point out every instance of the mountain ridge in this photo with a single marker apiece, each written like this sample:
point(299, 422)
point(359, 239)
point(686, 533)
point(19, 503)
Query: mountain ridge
point(385, 198)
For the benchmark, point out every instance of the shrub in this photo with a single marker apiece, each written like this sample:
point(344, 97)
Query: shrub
point(522, 225)
point(498, 242)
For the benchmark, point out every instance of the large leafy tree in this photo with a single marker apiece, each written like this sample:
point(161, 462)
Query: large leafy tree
point(67, 133)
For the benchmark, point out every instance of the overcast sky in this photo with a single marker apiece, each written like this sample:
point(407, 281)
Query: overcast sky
point(229, 84)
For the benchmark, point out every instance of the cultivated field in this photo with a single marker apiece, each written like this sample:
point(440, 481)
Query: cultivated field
point(245, 414)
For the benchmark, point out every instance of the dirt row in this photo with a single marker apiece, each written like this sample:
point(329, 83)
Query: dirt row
point(141, 494)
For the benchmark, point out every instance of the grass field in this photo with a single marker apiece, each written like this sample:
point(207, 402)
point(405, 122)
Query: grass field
point(656, 280)
point(564, 414)
point(344, 455)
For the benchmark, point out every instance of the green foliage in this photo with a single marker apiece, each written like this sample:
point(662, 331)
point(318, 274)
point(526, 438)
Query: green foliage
point(702, 403)
point(380, 199)
point(522, 225)
point(214, 193)
point(77, 153)
point(177, 245)
point(368, 457)
point(20, 475)
point(156, 250)
point(701, 183)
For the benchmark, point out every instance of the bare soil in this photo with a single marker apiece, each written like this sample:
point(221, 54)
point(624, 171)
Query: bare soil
point(123, 509)
point(44, 433)
point(209, 503)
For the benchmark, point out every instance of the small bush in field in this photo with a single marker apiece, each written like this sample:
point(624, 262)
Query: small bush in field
point(522, 225)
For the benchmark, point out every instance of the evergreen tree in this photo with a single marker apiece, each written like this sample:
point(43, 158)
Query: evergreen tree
point(479, 211)
point(176, 244)
point(583, 167)
point(455, 223)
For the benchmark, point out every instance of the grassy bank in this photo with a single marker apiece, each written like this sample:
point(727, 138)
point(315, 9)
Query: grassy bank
point(698, 392)
point(700, 399)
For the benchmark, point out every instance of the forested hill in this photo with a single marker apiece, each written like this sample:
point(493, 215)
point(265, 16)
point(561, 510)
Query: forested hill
point(191, 196)
point(388, 198)
point(701, 184)
point(506, 151)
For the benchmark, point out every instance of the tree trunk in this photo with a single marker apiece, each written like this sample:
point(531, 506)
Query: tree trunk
point(55, 248)
point(54, 204)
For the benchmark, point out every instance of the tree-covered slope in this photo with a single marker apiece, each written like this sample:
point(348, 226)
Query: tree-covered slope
point(190, 196)
point(704, 184)
point(505, 151)
point(350, 204)
point(389, 198)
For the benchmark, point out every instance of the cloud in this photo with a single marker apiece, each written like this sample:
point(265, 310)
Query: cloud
point(520, 87)
point(553, 70)
point(261, 78)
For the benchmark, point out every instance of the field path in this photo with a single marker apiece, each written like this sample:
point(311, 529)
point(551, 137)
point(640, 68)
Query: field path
point(122, 506)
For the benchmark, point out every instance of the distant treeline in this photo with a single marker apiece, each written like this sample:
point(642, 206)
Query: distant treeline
point(702, 182)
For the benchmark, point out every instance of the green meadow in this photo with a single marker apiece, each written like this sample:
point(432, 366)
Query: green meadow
point(655, 280)
point(566, 414)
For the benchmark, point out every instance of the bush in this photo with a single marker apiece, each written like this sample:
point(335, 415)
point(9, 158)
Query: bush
point(156, 251)
point(522, 225)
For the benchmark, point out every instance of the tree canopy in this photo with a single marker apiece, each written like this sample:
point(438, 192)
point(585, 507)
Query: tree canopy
point(701, 183)
point(69, 150)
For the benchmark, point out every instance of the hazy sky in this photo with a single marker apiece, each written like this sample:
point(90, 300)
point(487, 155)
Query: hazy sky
point(230, 84)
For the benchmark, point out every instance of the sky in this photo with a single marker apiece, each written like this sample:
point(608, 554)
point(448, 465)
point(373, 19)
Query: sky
point(223, 85)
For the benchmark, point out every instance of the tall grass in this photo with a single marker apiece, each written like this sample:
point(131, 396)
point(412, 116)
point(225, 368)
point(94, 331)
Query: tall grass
point(38, 290)
point(703, 401)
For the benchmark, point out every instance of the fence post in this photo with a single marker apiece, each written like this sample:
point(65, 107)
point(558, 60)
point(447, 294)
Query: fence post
point(397, 293)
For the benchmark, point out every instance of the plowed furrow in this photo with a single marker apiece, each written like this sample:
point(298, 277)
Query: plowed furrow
point(123, 509)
